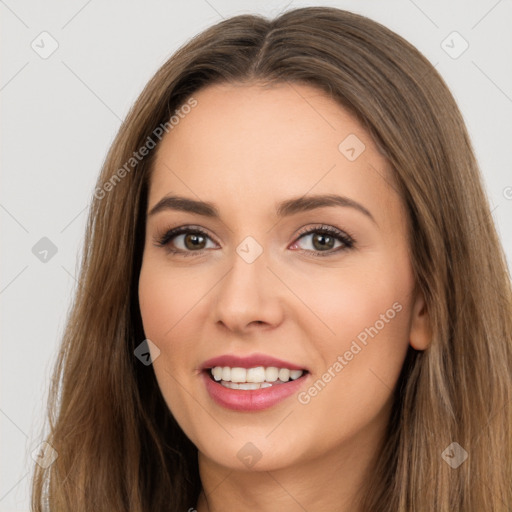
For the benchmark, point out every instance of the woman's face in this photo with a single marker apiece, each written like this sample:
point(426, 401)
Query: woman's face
point(278, 279)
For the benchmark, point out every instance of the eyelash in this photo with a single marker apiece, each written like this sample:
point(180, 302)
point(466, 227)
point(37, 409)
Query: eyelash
point(347, 240)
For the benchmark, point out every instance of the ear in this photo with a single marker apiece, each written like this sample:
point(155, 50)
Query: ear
point(420, 333)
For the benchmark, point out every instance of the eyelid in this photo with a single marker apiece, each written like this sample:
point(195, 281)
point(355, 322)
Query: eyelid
point(324, 228)
point(161, 238)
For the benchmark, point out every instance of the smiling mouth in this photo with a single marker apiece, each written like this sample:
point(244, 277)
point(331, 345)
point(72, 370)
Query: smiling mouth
point(258, 377)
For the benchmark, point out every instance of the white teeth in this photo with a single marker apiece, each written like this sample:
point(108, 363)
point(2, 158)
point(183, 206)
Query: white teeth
point(255, 374)
point(232, 377)
point(295, 374)
point(230, 385)
point(238, 375)
point(271, 374)
point(246, 385)
point(217, 373)
point(284, 374)
point(249, 385)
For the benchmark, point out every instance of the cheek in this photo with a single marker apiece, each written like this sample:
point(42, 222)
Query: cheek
point(367, 311)
point(165, 299)
point(348, 301)
point(361, 312)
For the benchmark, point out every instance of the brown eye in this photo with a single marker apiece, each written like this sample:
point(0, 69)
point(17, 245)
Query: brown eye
point(324, 240)
point(184, 240)
point(194, 241)
point(321, 241)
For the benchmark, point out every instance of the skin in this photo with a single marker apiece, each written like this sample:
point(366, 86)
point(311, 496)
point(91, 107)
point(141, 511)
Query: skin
point(245, 148)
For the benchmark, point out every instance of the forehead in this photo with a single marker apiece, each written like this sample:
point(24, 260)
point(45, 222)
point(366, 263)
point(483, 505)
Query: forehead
point(250, 144)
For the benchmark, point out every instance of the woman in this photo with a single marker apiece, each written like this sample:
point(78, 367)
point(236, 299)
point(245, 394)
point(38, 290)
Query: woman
point(291, 227)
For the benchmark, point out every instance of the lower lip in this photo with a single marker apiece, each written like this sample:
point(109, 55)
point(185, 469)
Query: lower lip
point(251, 399)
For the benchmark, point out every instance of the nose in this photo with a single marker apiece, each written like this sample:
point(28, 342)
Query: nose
point(249, 296)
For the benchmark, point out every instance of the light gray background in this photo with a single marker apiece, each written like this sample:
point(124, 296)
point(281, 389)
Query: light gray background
point(60, 114)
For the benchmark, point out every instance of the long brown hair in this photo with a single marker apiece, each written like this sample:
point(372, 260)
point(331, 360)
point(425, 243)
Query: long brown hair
point(119, 447)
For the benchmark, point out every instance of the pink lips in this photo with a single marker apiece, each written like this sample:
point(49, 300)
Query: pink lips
point(249, 362)
point(250, 400)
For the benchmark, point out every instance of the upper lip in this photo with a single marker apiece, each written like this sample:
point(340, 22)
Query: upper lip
point(251, 361)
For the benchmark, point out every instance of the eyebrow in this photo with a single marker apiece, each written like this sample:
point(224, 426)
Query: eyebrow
point(284, 209)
